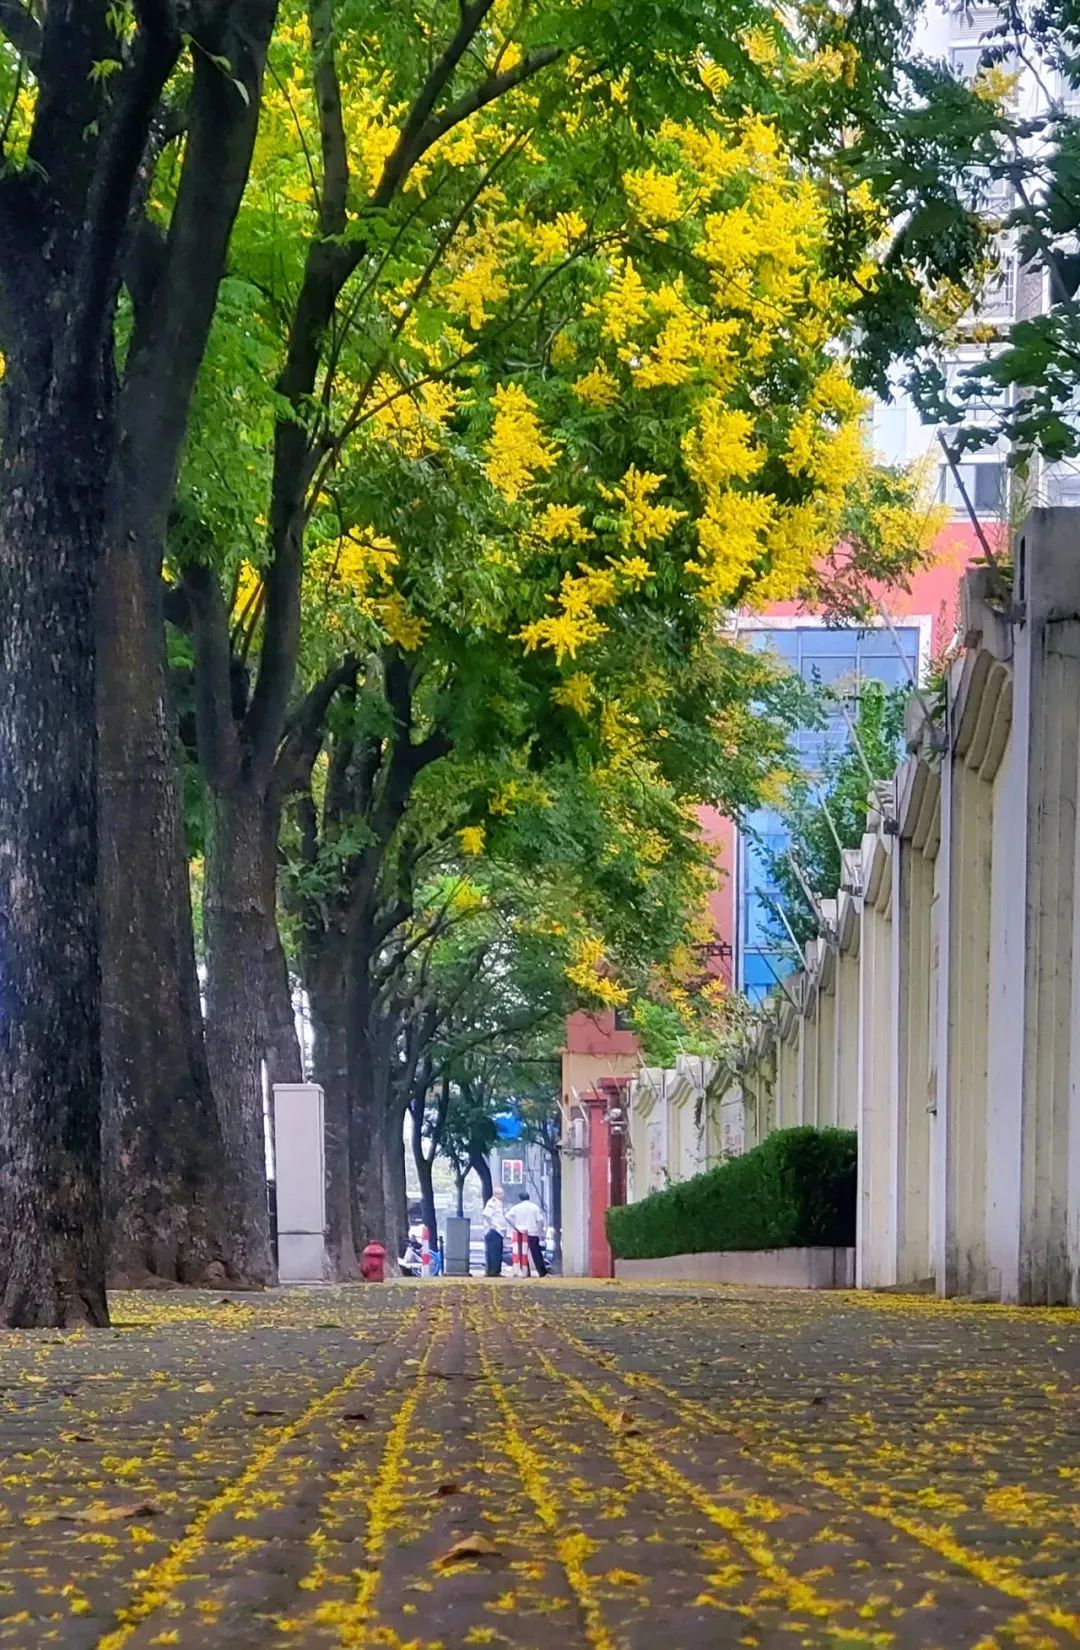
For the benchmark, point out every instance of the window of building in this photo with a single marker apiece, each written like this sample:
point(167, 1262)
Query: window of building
point(837, 658)
point(984, 481)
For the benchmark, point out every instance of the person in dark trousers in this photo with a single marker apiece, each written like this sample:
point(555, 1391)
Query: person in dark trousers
point(495, 1229)
point(528, 1217)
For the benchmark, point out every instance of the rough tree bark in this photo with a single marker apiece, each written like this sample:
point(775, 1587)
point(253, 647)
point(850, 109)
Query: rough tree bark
point(424, 1160)
point(326, 979)
point(281, 1044)
point(174, 1206)
point(64, 218)
point(395, 1193)
point(238, 908)
point(52, 474)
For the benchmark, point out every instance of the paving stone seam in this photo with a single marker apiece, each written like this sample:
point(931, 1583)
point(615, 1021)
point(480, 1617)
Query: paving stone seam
point(355, 1621)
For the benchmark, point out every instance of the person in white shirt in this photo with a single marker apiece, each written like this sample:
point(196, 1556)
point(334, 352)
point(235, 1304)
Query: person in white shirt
point(495, 1230)
point(527, 1218)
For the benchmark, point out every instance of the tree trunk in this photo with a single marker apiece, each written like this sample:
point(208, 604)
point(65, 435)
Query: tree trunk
point(168, 1195)
point(327, 988)
point(425, 1175)
point(176, 1209)
point(236, 914)
point(367, 1137)
point(395, 1191)
point(459, 1189)
point(281, 1043)
point(482, 1170)
point(53, 467)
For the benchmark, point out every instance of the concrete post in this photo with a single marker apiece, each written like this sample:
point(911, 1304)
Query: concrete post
point(808, 1058)
point(849, 934)
point(300, 1169)
point(875, 1251)
point(1047, 719)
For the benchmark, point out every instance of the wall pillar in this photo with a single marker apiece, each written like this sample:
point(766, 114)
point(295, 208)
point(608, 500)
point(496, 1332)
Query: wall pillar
point(1047, 721)
point(875, 1252)
point(846, 1060)
point(826, 1041)
point(913, 896)
point(808, 1057)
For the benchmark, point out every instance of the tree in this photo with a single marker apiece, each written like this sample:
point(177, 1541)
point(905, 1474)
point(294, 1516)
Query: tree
point(89, 451)
point(431, 454)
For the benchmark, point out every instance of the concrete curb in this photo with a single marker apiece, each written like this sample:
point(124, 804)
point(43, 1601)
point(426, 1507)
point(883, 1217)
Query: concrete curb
point(776, 1268)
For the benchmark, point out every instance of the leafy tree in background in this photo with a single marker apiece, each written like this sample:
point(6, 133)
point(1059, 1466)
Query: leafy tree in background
point(569, 391)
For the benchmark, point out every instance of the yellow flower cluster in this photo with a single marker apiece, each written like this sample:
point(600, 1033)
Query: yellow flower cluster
point(586, 972)
point(517, 448)
point(642, 520)
point(562, 522)
point(575, 692)
point(406, 630)
point(576, 624)
point(655, 197)
point(598, 388)
point(414, 422)
point(472, 839)
point(551, 241)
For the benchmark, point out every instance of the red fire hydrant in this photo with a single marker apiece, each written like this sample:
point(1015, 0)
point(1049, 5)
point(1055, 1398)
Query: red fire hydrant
point(372, 1263)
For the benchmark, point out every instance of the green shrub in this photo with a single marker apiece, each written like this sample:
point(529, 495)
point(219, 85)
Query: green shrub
point(796, 1190)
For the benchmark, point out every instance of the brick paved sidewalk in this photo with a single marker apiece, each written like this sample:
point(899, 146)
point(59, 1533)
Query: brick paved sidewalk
point(543, 1466)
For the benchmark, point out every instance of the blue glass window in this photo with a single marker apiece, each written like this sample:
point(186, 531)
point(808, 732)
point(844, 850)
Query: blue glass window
point(833, 658)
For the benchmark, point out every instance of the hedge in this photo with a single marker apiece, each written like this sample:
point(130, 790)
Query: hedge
point(795, 1190)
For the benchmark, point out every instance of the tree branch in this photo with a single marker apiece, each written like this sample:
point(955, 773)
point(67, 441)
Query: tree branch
point(169, 337)
point(487, 91)
point(22, 29)
point(304, 731)
point(405, 153)
point(219, 747)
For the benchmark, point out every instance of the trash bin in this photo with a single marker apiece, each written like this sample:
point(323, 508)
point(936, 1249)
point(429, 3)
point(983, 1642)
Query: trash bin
point(457, 1246)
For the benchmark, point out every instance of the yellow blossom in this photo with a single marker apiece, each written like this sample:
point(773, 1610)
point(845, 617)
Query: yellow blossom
point(625, 304)
point(554, 240)
point(714, 77)
point(406, 630)
point(471, 839)
point(759, 47)
point(562, 521)
point(576, 692)
point(655, 197)
point(642, 520)
point(517, 448)
point(598, 388)
point(564, 635)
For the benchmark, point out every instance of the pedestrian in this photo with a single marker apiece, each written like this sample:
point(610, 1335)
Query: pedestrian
point(527, 1218)
point(495, 1229)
